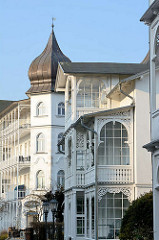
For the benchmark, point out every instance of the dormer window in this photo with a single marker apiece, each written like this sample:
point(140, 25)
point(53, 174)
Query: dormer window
point(61, 109)
point(40, 111)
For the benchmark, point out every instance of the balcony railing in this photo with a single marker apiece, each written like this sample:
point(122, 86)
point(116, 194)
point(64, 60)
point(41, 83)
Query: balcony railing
point(105, 174)
point(81, 111)
point(13, 161)
point(24, 160)
point(12, 126)
point(12, 195)
point(115, 174)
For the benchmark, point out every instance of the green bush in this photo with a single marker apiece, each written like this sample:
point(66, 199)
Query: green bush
point(137, 223)
point(3, 235)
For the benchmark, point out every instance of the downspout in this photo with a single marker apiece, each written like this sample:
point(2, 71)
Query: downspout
point(60, 150)
point(96, 185)
point(126, 94)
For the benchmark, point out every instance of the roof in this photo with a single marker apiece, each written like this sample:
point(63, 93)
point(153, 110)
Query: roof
point(4, 104)
point(151, 13)
point(43, 69)
point(86, 117)
point(102, 68)
point(126, 80)
point(152, 146)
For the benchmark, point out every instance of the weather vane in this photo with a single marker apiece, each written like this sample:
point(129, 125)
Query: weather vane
point(53, 19)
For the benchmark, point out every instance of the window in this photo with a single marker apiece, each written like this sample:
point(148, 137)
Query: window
point(60, 179)
point(80, 160)
point(69, 152)
point(61, 109)
point(91, 94)
point(80, 213)
point(113, 148)
point(40, 180)
point(111, 210)
point(62, 147)
point(40, 143)
point(40, 111)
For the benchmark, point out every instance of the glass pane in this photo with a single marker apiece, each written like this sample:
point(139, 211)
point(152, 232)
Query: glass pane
point(118, 213)
point(117, 133)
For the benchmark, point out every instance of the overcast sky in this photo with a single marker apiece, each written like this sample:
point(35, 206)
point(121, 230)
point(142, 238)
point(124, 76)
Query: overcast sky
point(86, 30)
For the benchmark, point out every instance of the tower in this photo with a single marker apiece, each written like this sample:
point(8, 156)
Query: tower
point(47, 117)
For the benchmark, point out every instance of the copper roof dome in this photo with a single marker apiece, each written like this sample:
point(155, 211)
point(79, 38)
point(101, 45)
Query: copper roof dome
point(42, 71)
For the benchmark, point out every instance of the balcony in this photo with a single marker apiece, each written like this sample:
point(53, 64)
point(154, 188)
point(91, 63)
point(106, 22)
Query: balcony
point(115, 174)
point(81, 111)
point(106, 175)
point(12, 195)
point(23, 161)
point(15, 125)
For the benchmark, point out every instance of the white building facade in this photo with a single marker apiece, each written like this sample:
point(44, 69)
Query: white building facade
point(98, 110)
point(151, 18)
point(30, 162)
point(105, 165)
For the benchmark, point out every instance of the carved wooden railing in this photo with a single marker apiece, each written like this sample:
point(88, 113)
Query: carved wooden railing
point(115, 174)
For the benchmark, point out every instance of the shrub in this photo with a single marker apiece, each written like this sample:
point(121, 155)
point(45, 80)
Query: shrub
point(3, 235)
point(137, 223)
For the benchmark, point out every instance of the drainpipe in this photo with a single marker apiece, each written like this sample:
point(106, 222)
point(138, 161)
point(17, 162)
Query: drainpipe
point(96, 185)
point(60, 150)
point(125, 93)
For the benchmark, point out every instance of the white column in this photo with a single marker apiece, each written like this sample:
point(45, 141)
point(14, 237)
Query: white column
point(73, 215)
point(73, 84)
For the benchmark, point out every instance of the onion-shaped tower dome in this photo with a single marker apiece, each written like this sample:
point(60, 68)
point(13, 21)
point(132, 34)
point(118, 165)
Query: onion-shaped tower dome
point(42, 71)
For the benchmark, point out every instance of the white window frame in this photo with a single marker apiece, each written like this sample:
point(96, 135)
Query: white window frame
point(124, 146)
point(40, 109)
point(40, 180)
point(60, 178)
point(61, 109)
point(40, 143)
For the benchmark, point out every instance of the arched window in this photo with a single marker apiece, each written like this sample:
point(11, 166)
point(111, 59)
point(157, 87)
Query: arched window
point(113, 148)
point(112, 208)
point(40, 143)
point(61, 109)
point(40, 179)
point(60, 179)
point(60, 136)
point(91, 94)
point(40, 111)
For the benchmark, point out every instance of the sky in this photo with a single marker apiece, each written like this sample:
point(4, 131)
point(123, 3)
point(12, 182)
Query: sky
point(86, 31)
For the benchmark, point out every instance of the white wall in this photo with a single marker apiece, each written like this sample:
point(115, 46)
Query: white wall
point(142, 159)
point(50, 125)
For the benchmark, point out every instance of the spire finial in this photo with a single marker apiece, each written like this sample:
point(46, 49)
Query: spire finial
point(53, 19)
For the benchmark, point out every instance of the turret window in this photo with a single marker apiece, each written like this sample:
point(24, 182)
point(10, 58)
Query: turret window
point(61, 147)
point(61, 109)
point(40, 143)
point(40, 111)
point(60, 179)
point(40, 180)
